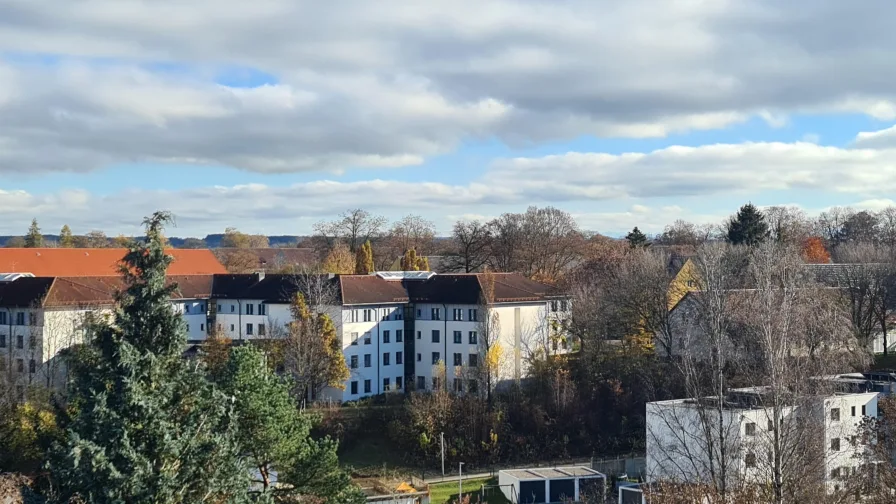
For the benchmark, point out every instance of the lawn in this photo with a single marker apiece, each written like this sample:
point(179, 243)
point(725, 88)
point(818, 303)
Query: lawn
point(443, 493)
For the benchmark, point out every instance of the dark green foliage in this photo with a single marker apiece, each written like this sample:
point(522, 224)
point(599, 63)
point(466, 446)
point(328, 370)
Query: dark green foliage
point(34, 239)
point(275, 435)
point(636, 238)
point(747, 227)
point(147, 426)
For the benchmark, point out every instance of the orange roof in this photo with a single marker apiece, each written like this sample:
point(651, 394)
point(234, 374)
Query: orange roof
point(75, 262)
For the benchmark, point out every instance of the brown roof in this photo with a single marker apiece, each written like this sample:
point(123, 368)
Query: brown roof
point(72, 262)
point(370, 289)
point(92, 291)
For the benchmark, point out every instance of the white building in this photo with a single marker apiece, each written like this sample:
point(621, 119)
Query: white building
point(398, 329)
point(826, 429)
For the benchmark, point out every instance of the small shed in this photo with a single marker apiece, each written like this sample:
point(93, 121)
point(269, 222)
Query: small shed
point(544, 485)
point(631, 493)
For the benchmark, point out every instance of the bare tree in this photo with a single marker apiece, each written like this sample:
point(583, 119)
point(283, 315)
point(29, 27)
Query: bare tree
point(867, 283)
point(320, 289)
point(491, 350)
point(787, 224)
point(470, 248)
point(641, 285)
point(411, 232)
point(353, 227)
point(507, 239)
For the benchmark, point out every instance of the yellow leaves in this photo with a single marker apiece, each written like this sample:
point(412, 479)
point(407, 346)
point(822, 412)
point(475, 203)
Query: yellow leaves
point(339, 261)
point(411, 262)
point(364, 259)
point(494, 357)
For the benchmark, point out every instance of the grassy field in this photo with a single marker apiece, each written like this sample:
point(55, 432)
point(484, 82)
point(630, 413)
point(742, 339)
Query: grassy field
point(443, 493)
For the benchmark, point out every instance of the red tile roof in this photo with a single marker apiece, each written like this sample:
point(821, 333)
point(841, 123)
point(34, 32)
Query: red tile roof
point(90, 291)
point(75, 262)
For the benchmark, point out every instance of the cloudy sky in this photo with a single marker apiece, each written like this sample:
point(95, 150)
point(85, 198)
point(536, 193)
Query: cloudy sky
point(271, 115)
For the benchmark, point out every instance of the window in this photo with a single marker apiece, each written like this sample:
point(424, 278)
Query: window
point(397, 383)
point(399, 336)
point(367, 338)
point(386, 384)
point(436, 336)
point(217, 307)
point(474, 338)
point(436, 385)
point(354, 338)
point(261, 329)
point(188, 327)
point(419, 334)
point(474, 360)
point(863, 410)
point(354, 361)
point(835, 444)
point(250, 309)
point(20, 318)
point(386, 359)
point(385, 314)
point(385, 336)
point(202, 328)
point(553, 306)
point(419, 313)
point(457, 314)
point(366, 386)
point(750, 429)
point(458, 360)
point(399, 358)
point(436, 314)
point(232, 308)
point(419, 357)
point(354, 315)
point(186, 308)
point(232, 328)
point(835, 473)
point(262, 309)
point(367, 360)
point(473, 386)
point(2, 341)
point(397, 314)
point(3, 318)
point(421, 383)
point(853, 411)
point(691, 283)
point(771, 425)
point(458, 337)
point(202, 308)
point(20, 365)
point(249, 329)
point(564, 305)
point(435, 358)
point(32, 366)
point(20, 341)
point(354, 388)
point(368, 315)
point(472, 314)
point(750, 460)
point(458, 385)
point(835, 414)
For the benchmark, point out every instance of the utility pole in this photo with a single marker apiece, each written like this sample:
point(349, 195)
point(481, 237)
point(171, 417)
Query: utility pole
point(442, 438)
point(460, 481)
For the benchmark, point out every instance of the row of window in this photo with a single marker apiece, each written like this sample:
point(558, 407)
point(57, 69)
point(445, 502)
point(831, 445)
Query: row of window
point(387, 385)
point(471, 385)
point(371, 314)
point(563, 305)
point(387, 337)
point(250, 308)
point(835, 413)
point(473, 337)
point(20, 341)
point(387, 360)
point(6, 318)
point(472, 359)
point(20, 366)
point(250, 329)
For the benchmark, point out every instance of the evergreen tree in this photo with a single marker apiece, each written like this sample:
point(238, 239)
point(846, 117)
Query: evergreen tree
point(145, 424)
point(66, 240)
point(747, 227)
point(34, 239)
point(636, 238)
point(275, 435)
point(364, 259)
point(412, 262)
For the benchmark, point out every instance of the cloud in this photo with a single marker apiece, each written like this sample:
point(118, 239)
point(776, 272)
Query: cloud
point(90, 84)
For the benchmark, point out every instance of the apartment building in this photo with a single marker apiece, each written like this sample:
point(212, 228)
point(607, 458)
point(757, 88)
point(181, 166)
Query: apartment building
point(399, 330)
point(686, 437)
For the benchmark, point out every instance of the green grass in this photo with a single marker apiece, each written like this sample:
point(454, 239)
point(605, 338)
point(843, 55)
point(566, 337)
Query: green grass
point(443, 493)
point(373, 455)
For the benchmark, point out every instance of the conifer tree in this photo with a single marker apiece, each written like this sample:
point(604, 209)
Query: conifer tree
point(145, 424)
point(34, 239)
point(412, 262)
point(747, 227)
point(364, 259)
point(636, 238)
point(66, 240)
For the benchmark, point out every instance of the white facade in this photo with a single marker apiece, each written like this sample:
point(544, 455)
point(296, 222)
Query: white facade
point(678, 449)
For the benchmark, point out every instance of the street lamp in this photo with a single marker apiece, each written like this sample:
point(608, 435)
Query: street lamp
point(460, 481)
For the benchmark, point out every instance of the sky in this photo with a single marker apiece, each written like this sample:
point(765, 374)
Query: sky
point(272, 115)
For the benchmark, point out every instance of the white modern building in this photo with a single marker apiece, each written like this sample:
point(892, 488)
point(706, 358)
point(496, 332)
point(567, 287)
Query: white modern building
point(399, 330)
point(687, 440)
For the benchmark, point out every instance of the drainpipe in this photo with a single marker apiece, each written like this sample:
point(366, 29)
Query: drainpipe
point(379, 355)
point(445, 343)
point(239, 322)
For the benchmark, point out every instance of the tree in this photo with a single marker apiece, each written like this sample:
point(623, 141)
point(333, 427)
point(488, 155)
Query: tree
point(239, 260)
point(354, 228)
point(684, 233)
point(216, 351)
point(277, 437)
point(787, 225)
point(814, 251)
point(470, 247)
point(146, 426)
point(121, 241)
point(492, 352)
point(34, 239)
point(636, 238)
point(194, 243)
point(339, 261)
point(364, 260)
point(861, 227)
point(640, 287)
point(410, 261)
point(312, 351)
point(411, 232)
point(233, 238)
point(15, 242)
point(97, 239)
point(66, 240)
point(747, 227)
point(27, 431)
point(866, 285)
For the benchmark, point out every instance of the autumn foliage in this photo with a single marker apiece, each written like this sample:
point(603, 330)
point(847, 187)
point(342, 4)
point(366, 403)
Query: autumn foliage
point(814, 251)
